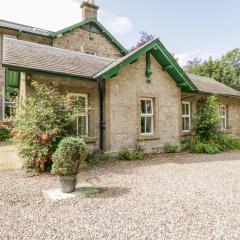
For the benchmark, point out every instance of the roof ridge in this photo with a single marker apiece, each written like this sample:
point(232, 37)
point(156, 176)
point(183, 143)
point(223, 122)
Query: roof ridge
point(24, 25)
point(60, 49)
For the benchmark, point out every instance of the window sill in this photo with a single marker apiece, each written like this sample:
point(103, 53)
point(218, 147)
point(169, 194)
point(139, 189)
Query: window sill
point(90, 139)
point(187, 133)
point(148, 137)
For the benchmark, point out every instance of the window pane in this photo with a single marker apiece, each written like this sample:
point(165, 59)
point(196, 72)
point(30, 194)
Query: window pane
point(183, 109)
point(223, 123)
point(186, 125)
point(142, 124)
point(143, 106)
point(78, 104)
point(223, 111)
point(82, 126)
point(186, 109)
point(149, 107)
point(148, 124)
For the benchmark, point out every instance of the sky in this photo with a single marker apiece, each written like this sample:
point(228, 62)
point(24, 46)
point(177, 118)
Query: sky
point(187, 28)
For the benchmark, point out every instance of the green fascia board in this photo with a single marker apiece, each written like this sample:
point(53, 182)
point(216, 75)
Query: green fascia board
point(100, 27)
point(164, 58)
point(47, 73)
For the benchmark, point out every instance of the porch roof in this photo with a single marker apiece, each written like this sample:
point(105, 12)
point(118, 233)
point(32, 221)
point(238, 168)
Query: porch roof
point(32, 56)
point(211, 86)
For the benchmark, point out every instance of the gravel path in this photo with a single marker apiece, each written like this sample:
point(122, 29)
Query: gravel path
point(168, 197)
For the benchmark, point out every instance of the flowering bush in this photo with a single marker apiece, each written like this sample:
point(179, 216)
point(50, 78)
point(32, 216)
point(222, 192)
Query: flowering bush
point(40, 123)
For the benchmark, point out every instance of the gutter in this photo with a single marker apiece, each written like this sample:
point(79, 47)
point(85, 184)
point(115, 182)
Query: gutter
point(27, 32)
point(102, 125)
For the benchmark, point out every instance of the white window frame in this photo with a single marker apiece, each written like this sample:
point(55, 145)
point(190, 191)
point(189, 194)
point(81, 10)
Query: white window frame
point(83, 114)
point(223, 117)
point(187, 116)
point(145, 115)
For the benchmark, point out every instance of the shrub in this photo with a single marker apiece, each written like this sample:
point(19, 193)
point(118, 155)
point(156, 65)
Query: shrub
point(188, 144)
point(209, 139)
point(93, 160)
point(227, 142)
point(207, 119)
point(39, 125)
point(5, 133)
point(222, 142)
point(209, 148)
point(126, 154)
point(170, 148)
point(68, 156)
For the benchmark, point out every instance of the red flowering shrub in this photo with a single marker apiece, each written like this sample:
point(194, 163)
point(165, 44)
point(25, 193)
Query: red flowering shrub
point(40, 124)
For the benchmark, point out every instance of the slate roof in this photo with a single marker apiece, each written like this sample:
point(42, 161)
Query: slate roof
point(33, 56)
point(209, 85)
point(22, 54)
point(24, 28)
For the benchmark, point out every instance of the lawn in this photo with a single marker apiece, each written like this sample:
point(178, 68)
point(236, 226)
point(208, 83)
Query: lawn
point(180, 196)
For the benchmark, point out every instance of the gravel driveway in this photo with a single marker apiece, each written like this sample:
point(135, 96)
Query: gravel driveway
point(168, 197)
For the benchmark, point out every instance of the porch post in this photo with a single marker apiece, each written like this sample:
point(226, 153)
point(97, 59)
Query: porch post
point(23, 86)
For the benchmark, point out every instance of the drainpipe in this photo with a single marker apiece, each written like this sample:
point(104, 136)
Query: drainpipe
point(102, 122)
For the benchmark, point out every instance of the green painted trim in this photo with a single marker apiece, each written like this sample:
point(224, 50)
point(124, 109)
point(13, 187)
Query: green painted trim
point(46, 73)
point(100, 27)
point(163, 57)
point(148, 65)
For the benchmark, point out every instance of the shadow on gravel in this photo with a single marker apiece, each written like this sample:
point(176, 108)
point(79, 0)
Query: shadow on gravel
point(104, 192)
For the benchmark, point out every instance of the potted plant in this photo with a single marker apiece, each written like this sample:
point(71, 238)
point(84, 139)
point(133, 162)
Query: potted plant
point(66, 162)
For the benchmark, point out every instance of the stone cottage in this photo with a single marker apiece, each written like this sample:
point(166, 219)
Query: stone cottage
point(142, 96)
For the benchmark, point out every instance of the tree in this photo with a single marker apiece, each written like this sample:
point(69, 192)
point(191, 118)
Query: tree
point(193, 63)
point(225, 70)
point(144, 38)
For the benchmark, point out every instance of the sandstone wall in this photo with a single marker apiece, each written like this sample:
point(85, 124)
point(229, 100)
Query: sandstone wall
point(79, 40)
point(122, 108)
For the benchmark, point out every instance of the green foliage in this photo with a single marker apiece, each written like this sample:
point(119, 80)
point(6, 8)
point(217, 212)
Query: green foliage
point(170, 148)
point(93, 160)
point(209, 139)
point(188, 144)
point(68, 156)
point(39, 125)
point(5, 133)
point(225, 70)
point(127, 155)
point(227, 142)
point(207, 119)
point(208, 147)
point(222, 142)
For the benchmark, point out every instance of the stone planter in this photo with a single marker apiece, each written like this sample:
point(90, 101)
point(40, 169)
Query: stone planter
point(68, 183)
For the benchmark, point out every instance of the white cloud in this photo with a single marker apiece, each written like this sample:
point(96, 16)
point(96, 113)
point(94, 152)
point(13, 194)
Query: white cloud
point(57, 14)
point(116, 24)
point(48, 14)
point(183, 58)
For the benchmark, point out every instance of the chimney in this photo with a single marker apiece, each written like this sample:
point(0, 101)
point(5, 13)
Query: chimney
point(89, 9)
